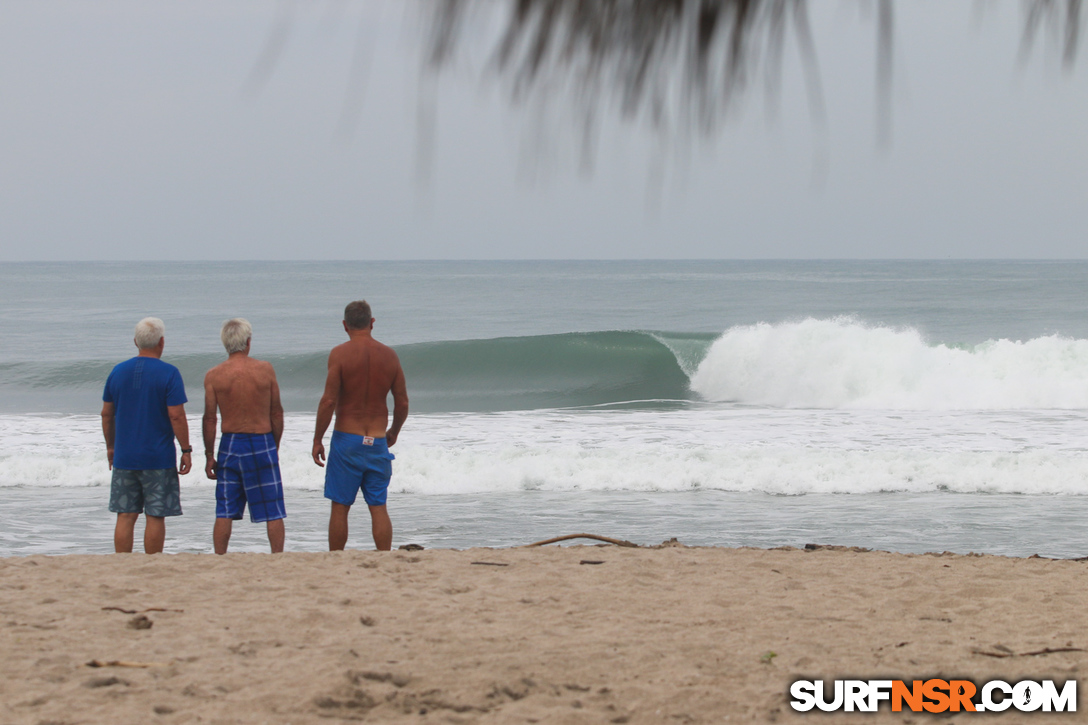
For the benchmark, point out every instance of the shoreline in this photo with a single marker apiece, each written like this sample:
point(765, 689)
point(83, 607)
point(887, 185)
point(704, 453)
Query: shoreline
point(998, 524)
point(559, 542)
point(567, 634)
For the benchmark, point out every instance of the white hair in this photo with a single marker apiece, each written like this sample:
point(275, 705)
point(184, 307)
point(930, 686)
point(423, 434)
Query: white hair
point(236, 334)
point(148, 333)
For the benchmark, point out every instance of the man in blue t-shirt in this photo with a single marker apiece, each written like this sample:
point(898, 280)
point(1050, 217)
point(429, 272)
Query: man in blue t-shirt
point(143, 410)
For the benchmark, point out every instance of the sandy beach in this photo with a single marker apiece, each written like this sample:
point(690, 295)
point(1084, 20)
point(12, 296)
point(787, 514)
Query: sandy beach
point(581, 634)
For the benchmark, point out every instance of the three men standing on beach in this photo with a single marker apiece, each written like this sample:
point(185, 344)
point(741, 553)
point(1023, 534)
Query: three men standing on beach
point(143, 410)
point(247, 469)
point(362, 372)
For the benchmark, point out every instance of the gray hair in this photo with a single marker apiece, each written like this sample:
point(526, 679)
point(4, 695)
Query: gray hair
point(148, 333)
point(236, 334)
point(357, 315)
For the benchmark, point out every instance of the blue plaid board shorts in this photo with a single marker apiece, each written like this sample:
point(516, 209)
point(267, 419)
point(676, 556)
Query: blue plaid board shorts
point(247, 470)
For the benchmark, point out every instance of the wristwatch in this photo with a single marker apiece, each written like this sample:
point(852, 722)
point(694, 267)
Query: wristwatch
point(186, 450)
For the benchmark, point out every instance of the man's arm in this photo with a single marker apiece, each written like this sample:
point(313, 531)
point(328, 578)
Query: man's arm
point(211, 405)
point(400, 406)
point(276, 413)
point(181, 431)
point(326, 408)
point(109, 430)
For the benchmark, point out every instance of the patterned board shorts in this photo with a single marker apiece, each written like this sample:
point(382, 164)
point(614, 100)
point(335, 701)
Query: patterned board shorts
point(152, 492)
point(248, 471)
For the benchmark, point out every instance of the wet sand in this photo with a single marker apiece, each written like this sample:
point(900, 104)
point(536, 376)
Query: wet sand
point(580, 634)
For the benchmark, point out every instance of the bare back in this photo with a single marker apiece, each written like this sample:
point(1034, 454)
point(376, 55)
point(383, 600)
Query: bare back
point(362, 372)
point(246, 393)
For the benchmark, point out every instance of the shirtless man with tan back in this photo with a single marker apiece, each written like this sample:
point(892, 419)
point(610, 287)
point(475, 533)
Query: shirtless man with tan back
point(247, 469)
point(362, 372)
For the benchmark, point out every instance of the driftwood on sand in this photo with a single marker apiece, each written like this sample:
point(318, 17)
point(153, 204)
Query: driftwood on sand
point(617, 542)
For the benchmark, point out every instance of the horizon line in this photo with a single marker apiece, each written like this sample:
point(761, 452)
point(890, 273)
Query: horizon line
point(341, 260)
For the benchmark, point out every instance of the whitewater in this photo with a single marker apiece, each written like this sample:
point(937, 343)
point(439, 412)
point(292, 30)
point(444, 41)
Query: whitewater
point(843, 363)
point(906, 406)
point(740, 450)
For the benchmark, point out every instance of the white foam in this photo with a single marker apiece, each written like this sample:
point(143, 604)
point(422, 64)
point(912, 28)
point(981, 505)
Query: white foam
point(712, 447)
point(842, 363)
point(769, 470)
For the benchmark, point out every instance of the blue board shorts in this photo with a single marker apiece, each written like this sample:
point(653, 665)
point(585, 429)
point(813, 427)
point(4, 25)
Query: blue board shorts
point(358, 462)
point(247, 470)
point(152, 492)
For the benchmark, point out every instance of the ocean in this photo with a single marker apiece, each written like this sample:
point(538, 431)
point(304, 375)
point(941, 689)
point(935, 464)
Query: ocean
point(901, 405)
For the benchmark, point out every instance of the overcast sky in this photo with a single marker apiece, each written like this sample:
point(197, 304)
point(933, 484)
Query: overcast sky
point(149, 130)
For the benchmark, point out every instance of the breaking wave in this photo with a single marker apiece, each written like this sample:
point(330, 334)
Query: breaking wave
point(843, 363)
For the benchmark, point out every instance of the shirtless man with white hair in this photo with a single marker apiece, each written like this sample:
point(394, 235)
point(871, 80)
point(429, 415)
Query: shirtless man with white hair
point(247, 469)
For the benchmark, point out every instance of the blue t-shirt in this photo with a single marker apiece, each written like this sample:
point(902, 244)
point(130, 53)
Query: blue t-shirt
point(140, 390)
